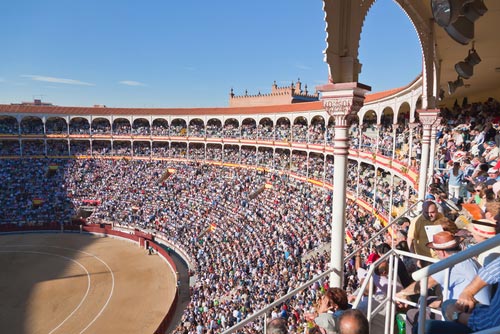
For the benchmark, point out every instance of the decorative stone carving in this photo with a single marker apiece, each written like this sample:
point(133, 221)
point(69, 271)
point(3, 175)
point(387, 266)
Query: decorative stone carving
point(428, 117)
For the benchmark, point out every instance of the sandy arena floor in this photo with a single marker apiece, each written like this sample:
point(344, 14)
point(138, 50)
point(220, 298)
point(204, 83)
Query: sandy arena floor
point(79, 283)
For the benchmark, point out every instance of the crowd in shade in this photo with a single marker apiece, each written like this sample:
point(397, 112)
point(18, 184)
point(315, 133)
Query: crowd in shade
point(248, 248)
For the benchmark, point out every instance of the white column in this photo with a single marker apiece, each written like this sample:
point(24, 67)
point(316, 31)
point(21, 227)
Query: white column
point(342, 101)
point(432, 154)
point(427, 118)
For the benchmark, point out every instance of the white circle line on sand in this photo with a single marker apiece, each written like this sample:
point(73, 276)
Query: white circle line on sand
point(110, 293)
point(92, 255)
point(70, 259)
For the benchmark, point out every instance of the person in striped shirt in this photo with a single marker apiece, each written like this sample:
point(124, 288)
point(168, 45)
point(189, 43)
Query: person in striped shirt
point(466, 316)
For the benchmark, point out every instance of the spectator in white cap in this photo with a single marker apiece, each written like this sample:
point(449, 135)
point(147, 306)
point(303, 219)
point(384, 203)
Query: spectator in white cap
point(493, 176)
point(491, 153)
point(482, 230)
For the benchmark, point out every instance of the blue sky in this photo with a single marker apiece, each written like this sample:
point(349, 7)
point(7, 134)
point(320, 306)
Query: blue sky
point(165, 53)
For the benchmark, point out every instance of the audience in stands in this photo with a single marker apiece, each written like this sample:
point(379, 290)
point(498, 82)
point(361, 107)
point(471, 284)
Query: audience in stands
point(259, 249)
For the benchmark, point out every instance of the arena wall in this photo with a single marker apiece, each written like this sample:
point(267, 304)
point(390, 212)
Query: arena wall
point(105, 230)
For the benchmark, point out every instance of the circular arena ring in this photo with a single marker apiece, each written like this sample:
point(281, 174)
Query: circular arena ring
point(81, 283)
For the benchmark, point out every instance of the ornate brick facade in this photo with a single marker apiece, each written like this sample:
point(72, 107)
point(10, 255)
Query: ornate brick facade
point(278, 96)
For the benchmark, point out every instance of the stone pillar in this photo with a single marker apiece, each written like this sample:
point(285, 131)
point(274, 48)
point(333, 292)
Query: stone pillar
point(394, 139)
point(427, 117)
point(341, 101)
point(412, 127)
point(432, 154)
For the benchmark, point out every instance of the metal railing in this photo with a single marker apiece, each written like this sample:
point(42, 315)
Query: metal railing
point(423, 274)
point(263, 312)
point(387, 305)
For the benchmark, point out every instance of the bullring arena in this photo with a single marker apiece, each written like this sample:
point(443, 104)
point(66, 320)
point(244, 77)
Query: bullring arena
point(253, 210)
point(81, 283)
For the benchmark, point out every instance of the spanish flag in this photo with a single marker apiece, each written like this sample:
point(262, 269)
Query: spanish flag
point(37, 202)
point(348, 237)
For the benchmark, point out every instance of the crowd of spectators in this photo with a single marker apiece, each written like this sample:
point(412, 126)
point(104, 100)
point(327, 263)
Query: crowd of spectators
point(249, 251)
point(316, 132)
point(270, 235)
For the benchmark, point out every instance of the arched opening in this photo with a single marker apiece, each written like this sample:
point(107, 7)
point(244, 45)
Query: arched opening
point(248, 155)
point(316, 131)
point(121, 126)
point(8, 125)
point(161, 149)
point(385, 133)
point(141, 127)
point(196, 151)
point(282, 130)
point(101, 147)
point(178, 149)
point(57, 148)
point(122, 148)
point(231, 154)
point(196, 128)
point(31, 125)
point(142, 148)
point(369, 131)
point(214, 152)
point(160, 127)
point(178, 128)
point(299, 130)
point(214, 128)
point(101, 126)
point(266, 129)
point(386, 18)
point(265, 157)
point(79, 126)
point(80, 147)
point(231, 128)
point(249, 129)
point(56, 125)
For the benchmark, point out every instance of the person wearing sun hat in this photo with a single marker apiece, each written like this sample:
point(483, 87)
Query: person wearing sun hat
point(482, 230)
point(465, 315)
point(445, 244)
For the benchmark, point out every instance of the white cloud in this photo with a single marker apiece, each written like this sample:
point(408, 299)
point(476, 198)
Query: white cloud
point(302, 67)
point(57, 80)
point(131, 83)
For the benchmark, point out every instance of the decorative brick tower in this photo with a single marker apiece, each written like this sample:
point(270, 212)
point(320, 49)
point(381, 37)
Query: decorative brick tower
point(278, 96)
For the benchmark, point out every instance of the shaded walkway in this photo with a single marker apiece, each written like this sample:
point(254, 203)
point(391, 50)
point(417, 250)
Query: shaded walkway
point(184, 296)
